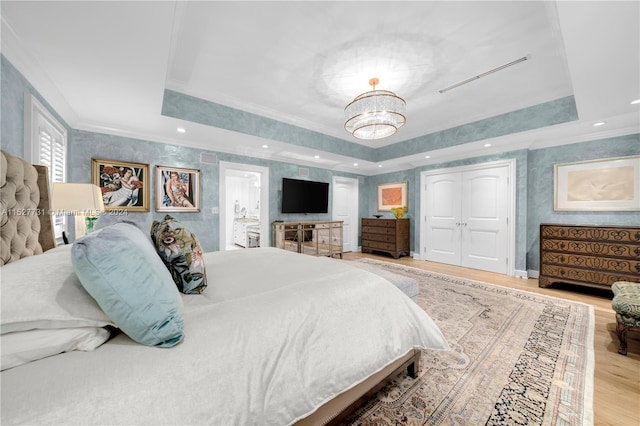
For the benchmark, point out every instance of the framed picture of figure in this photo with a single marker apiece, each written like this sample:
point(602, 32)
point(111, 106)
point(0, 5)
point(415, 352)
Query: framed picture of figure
point(177, 189)
point(124, 185)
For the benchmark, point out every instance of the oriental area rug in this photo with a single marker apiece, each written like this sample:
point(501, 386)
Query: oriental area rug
point(517, 358)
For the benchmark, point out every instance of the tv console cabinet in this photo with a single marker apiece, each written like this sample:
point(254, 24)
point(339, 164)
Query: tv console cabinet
point(593, 256)
point(385, 235)
point(317, 238)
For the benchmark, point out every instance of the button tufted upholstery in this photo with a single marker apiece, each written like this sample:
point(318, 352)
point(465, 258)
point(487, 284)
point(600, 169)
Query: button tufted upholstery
point(19, 199)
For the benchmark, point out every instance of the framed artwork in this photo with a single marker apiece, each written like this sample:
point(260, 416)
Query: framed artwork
point(391, 195)
point(604, 185)
point(124, 185)
point(177, 190)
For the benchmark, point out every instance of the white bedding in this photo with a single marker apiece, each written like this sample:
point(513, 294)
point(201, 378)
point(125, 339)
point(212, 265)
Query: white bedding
point(275, 335)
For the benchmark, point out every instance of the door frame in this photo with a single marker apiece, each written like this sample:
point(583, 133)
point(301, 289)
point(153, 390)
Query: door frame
point(354, 211)
point(511, 205)
point(265, 234)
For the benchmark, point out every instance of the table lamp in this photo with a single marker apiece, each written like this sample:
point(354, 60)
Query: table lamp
point(83, 200)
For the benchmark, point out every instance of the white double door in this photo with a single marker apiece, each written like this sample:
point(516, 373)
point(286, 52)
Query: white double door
point(467, 217)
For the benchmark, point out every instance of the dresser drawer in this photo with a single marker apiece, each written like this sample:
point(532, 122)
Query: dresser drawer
point(378, 245)
point(587, 276)
point(625, 266)
point(386, 238)
point(377, 230)
point(369, 222)
point(585, 233)
point(331, 225)
point(379, 223)
point(591, 247)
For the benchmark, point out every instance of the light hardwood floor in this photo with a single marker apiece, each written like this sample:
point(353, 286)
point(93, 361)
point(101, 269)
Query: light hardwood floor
point(616, 393)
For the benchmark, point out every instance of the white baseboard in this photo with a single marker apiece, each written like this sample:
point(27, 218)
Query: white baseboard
point(534, 273)
point(520, 274)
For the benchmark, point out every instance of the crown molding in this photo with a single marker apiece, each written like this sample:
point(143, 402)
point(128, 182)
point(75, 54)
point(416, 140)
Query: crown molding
point(16, 52)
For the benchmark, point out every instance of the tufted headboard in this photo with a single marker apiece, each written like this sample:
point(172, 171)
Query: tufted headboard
point(26, 226)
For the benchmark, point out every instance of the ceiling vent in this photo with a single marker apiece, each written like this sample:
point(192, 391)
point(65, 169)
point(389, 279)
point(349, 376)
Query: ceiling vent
point(484, 74)
point(303, 172)
point(208, 158)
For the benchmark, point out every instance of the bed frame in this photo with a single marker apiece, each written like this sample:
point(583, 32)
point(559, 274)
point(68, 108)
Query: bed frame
point(26, 229)
point(340, 407)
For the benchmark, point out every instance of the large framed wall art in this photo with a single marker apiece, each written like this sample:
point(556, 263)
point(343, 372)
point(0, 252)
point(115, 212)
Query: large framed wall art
point(177, 189)
point(392, 195)
point(611, 184)
point(124, 185)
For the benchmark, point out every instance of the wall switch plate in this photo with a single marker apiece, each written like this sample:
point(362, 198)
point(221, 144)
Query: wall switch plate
point(215, 210)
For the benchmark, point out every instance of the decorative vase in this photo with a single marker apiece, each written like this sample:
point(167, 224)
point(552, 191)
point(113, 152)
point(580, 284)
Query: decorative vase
point(398, 212)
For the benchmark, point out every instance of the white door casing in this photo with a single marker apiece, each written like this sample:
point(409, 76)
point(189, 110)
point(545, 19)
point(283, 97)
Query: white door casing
point(466, 215)
point(344, 207)
point(265, 227)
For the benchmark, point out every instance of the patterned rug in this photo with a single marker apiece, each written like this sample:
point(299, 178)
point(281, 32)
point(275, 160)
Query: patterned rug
point(518, 358)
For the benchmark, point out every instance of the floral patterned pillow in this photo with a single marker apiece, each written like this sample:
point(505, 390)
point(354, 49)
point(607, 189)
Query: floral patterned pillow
point(181, 253)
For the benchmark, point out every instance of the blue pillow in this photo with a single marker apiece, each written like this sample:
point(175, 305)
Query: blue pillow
point(180, 251)
point(120, 269)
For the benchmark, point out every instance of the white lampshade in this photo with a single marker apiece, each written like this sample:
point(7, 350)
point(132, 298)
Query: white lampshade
point(77, 198)
point(82, 200)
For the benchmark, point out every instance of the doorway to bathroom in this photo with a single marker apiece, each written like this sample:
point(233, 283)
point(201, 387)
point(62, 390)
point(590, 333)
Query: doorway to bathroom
point(244, 206)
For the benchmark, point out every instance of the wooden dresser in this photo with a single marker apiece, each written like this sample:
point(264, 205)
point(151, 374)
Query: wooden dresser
point(386, 235)
point(594, 256)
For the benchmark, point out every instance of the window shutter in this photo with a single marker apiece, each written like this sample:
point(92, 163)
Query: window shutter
point(46, 140)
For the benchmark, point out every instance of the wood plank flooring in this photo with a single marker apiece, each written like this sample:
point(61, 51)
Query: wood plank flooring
point(617, 377)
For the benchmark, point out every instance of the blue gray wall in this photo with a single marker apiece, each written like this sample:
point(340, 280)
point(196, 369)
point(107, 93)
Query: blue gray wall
point(540, 191)
point(413, 178)
point(534, 202)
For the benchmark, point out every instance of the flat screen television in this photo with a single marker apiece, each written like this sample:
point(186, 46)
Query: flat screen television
point(304, 196)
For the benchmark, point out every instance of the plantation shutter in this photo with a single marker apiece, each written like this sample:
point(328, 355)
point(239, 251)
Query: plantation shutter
point(47, 140)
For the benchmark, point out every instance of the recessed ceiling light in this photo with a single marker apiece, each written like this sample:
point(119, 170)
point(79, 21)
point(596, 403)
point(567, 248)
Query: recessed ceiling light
point(181, 130)
point(487, 145)
point(427, 156)
point(265, 146)
point(637, 101)
point(599, 123)
point(316, 156)
point(355, 164)
point(379, 165)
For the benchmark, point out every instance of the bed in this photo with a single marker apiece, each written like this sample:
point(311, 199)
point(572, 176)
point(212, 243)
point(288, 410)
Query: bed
point(275, 337)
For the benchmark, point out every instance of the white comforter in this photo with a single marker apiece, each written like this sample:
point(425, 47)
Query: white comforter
point(274, 335)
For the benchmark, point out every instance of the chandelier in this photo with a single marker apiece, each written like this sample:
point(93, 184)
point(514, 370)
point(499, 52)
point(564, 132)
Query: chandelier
point(375, 114)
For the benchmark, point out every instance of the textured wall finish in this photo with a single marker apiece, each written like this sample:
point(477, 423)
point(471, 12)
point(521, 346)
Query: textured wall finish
point(14, 87)
point(201, 111)
point(534, 199)
point(86, 145)
point(543, 115)
point(540, 192)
